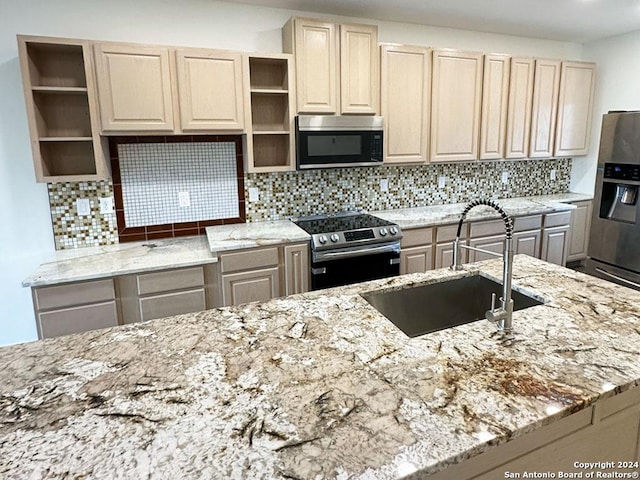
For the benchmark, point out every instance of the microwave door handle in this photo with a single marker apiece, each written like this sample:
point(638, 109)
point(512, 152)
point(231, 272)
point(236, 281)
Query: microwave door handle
point(616, 277)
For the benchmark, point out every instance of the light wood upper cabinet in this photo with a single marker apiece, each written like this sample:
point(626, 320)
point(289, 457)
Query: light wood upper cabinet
point(455, 108)
point(406, 94)
point(519, 109)
point(359, 70)
point(545, 105)
point(210, 90)
point(62, 109)
point(577, 82)
point(134, 88)
point(336, 66)
point(314, 44)
point(495, 99)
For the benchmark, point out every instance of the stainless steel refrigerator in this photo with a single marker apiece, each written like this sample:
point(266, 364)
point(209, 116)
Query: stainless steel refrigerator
point(614, 243)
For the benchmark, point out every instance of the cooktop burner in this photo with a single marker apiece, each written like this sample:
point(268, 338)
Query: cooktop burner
point(347, 229)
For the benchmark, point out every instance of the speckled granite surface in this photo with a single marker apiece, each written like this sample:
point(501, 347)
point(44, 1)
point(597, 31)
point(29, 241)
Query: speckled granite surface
point(99, 262)
point(121, 259)
point(313, 386)
point(255, 234)
point(433, 215)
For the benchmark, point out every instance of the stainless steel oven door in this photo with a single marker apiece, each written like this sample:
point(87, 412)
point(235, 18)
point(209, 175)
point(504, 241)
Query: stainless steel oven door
point(354, 264)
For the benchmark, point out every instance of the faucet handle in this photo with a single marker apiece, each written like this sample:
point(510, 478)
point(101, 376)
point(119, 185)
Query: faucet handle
point(493, 301)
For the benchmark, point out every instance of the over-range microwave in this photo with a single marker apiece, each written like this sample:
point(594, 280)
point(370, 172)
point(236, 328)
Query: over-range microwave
point(325, 141)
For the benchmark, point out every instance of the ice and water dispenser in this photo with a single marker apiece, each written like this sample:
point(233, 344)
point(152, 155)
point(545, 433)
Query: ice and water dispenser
point(619, 200)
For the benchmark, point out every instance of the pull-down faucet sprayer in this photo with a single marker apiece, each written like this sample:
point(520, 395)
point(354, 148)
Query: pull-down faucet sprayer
point(503, 314)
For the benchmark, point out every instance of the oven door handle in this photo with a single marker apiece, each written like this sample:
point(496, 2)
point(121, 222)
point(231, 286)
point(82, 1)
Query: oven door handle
point(616, 277)
point(356, 252)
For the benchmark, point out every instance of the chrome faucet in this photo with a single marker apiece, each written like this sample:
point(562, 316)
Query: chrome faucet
point(503, 314)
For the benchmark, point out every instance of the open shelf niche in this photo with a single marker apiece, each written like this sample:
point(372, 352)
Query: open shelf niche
point(270, 136)
point(60, 96)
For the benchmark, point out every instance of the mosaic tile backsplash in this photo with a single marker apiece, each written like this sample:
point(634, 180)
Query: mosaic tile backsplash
point(71, 230)
point(287, 194)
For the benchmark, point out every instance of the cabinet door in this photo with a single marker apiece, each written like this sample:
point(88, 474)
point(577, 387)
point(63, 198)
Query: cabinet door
point(527, 243)
point(545, 105)
point(519, 109)
point(579, 231)
point(493, 244)
point(575, 105)
point(315, 47)
point(296, 269)
point(359, 71)
point(134, 88)
point(210, 90)
point(455, 108)
point(495, 96)
point(251, 286)
point(555, 245)
point(416, 259)
point(406, 95)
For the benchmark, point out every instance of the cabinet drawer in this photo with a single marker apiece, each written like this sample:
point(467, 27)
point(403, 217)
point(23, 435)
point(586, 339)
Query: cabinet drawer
point(244, 260)
point(557, 219)
point(522, 224)
point(486, 228)
point(416, 237)
point(74, 294)
point(78, 319)
point(447, 233)
point(170, 280)
point(174, 303)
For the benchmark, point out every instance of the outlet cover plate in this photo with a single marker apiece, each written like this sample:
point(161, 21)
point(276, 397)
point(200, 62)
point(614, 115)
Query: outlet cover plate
point(83, 206)
point(106, 205)
point(184, 199)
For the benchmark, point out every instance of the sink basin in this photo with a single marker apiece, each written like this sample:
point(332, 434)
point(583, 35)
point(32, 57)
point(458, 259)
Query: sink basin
point(428, 308)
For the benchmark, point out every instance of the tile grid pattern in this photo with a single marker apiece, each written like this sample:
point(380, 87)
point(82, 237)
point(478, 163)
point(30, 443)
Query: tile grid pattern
point(155, 175)
point(282, 195)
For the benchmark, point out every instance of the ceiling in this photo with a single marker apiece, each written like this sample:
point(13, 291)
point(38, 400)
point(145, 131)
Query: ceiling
point(566, 20)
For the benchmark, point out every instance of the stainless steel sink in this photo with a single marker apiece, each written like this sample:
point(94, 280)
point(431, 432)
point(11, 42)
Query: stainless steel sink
point(428, 308)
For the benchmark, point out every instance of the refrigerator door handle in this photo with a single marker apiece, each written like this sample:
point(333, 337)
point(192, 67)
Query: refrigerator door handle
point(616, 277)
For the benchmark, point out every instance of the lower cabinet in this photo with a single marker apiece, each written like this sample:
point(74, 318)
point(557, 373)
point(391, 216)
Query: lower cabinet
point(416, 255)
point(146, 296)
point(260, 274)
point(555, 238)
point(75, 307)
point(607, 432)
point(579, 231)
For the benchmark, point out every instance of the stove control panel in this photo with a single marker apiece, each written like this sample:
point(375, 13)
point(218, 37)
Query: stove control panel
point(357, 235)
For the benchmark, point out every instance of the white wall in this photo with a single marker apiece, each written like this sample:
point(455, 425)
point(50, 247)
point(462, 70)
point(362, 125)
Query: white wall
point(25, 234)
point(616, 89)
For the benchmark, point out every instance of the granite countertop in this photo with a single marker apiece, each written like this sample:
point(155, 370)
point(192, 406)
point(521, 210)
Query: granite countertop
point(254, 234)
point(434, 215)
point(92, 263)
point(317, 385)
point(100, 262)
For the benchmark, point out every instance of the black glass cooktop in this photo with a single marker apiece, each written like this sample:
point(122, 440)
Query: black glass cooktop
point(340, 223)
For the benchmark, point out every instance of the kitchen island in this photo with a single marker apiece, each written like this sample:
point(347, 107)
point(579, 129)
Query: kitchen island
point(320, 385)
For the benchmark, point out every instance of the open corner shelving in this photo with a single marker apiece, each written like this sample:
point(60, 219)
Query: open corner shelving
point(270, 136)
point(59, 92)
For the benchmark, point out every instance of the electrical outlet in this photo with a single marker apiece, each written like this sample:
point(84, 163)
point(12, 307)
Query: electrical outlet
point(254, 194)
point(442, 181)
point(552, 174)
point(384, 185)
point(184, 199)
point(106, 205)
point(505, 177)
point(83, 207)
